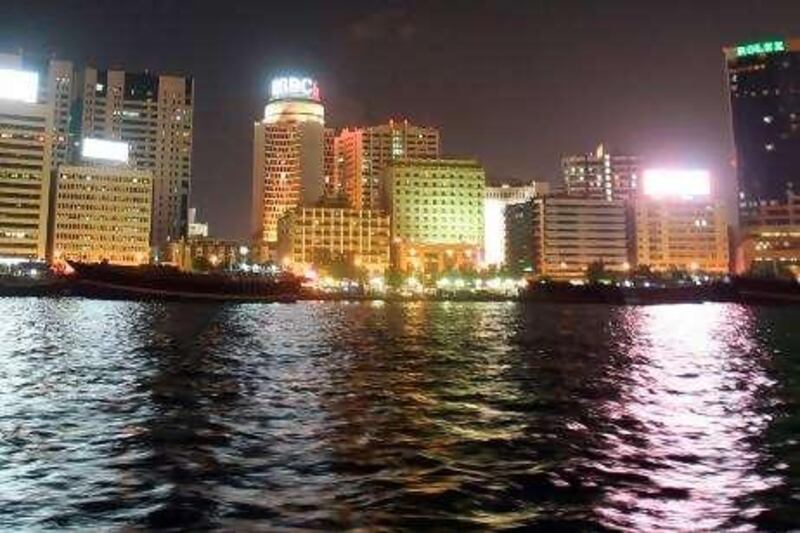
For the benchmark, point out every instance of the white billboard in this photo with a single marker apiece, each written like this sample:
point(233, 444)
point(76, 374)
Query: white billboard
point(20, 85)
point(676, 183)
point(104, 149)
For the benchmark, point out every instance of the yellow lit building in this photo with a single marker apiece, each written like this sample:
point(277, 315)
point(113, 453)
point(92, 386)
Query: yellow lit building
point(321, 237)
point(25, 163)
point(681, 235)
point(437, 211)
point(102, 213)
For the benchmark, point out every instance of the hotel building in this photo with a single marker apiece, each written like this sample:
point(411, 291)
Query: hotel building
point(153, 114)
point(681, 235)
point(765, 119)
point(496, 200)
point(601, 174)
point(321, 237)
point(102, 213)
point(437, 217)
point(362, 155)
point(560, 236)
point(25, 166)
point(288, 154)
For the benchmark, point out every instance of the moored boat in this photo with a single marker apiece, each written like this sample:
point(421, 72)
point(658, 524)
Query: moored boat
point(165, 283)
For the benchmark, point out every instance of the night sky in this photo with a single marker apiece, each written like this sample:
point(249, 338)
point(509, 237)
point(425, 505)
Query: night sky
point(515, 84)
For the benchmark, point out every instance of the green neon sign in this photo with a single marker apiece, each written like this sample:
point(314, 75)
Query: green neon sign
point(757, 49)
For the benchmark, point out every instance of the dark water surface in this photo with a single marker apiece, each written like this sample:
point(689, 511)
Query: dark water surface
point(415, 415)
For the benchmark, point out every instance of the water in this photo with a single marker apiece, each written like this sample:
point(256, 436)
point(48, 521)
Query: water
point(415, 415)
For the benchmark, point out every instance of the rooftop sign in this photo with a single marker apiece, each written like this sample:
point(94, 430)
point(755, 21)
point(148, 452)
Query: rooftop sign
point(19, 85)
point(676, 183)
point(761, 48)
point(106, 150)
point(294, 87)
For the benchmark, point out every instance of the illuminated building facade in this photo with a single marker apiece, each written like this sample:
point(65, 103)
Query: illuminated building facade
point(320, 237)
point(684, 235)
point(677, 225)
point(601, 175)
point(25, 165)
point(288, 154)
point(560, 236)
point(437, 216)
point(102, 213)
point(57, 89)
point(196, 228)
point(153, 114)
point(495, 202)
point(765, 116)
point(771, 241)
point(362, 154)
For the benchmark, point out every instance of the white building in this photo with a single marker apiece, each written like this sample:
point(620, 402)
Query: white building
point(153, 114)
point(288, 154)
point(495, 203)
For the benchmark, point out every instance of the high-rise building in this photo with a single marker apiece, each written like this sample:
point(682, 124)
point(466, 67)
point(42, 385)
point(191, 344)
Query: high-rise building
point(496, 200)
point(102, 209)
point(601, 174)
point(57, 89)
point(560, 236)
point(324, 238)
point(25, 165)
point(437, 216)
point(765, 116)
point(153, 114)
point(362, 154)
point(288, 154)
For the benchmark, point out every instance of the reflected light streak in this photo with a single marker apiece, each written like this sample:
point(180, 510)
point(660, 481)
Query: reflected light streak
point(695, 382)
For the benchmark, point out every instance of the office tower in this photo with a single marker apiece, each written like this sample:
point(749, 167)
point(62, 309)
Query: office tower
point(436, 208)
point(57, 89)
point(362, 154)
point(334, 240)
point(153, 114)
point(288, 154)
point(678, 226)
point(560, 236)
point(495, 202)
point(765, 117)
point(25, 165)
point(601, 174)
point(102, 208)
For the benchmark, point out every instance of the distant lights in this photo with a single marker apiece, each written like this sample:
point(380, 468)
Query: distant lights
point(19, 85)
point(105, 150)
point(676, 183)
point(294, 87)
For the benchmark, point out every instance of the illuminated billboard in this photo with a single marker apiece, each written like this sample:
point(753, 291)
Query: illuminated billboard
point(20, 85)
point(106, 150)
point(756, 49)
point(676, 183)
point(294, 87)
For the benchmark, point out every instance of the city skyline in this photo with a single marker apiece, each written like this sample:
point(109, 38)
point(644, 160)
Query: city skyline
point(662, 93)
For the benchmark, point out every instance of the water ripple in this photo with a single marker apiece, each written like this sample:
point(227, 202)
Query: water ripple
point(384, 416)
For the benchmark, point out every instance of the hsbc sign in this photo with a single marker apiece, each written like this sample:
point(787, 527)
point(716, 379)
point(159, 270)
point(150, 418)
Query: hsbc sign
point(294, 87)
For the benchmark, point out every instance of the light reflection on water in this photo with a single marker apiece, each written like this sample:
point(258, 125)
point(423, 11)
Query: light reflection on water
point(416, 415)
